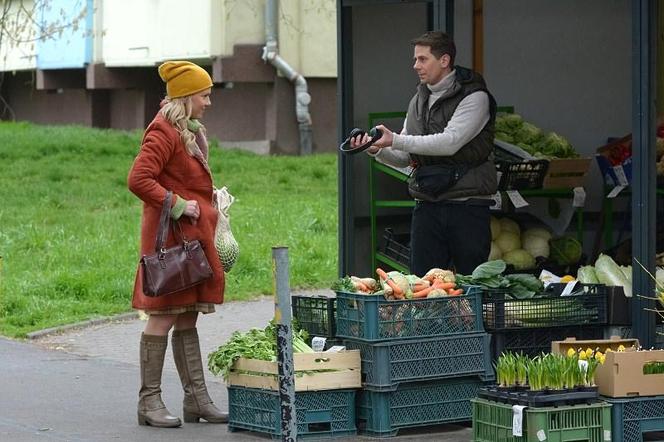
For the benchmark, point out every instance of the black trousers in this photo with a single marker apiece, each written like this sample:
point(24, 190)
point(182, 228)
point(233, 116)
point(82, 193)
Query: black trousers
point(449, 235)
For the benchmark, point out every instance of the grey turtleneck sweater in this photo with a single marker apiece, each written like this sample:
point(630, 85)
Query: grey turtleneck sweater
point(469, 118)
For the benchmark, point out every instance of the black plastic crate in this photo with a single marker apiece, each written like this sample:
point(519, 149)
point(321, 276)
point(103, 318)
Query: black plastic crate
point(531, 342)
point(540, 398)
point(523, 175)
point(587, 305)
point(397, 246)
point(316, 314)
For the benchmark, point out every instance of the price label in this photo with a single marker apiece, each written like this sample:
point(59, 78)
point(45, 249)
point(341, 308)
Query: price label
point(517, 420)
point(517, 199)
point(568, 288)
point(497, 201)
point(620, 174)
point(579, 199)
point(615, 191)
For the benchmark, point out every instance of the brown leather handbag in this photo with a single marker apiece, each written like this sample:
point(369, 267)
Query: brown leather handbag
point(175, 268)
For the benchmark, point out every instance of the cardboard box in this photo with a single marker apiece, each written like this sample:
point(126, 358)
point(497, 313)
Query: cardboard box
point(621, 375)
point(566, 173)
point(255, 373)
point(613, 343)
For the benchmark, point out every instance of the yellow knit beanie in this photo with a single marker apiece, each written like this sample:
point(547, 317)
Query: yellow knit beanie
point(183, 78)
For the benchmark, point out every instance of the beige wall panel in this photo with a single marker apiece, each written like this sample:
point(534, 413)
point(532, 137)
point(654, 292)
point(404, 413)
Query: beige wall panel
point(17, 50)
point(131, 32)
point(243, 23)
point(192, 31)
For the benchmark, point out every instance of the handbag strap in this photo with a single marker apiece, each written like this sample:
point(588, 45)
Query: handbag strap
point(164, 221)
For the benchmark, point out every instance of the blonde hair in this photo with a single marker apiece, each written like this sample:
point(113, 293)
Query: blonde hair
point(177, 111)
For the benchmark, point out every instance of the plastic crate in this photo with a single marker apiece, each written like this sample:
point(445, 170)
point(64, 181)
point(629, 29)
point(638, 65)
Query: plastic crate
point(492, 422)
point(373, 318)
point(328, 413)
point(384, 413)
point(397, 246)
point(315, 314)
point(534, 341)
point(522, 175)
point(587, 306)
point(631, 417)
point(387, 364)
point(540, 398)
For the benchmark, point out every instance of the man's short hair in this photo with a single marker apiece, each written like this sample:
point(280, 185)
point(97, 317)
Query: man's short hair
point(439, 42)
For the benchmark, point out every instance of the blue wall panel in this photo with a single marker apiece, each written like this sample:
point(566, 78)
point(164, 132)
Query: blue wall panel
point(72, 48)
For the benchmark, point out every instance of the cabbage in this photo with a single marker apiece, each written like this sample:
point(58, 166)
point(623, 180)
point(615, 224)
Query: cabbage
point(520, 259)
point(509, 225)
point(565, 251)
point(587, 275)
point(537, 231)
point(495, 228)
point(508, 241)
point(495, 253)
point(536, 246)
point(609, 273)
point(627, 271)
point(536, 241)
point(528, 133)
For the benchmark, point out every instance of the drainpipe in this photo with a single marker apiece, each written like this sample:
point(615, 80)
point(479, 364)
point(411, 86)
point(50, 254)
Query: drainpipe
point(302, 97)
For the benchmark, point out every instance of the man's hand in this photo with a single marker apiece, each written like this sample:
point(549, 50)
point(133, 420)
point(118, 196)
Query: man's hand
point(384, 141)
point(387, 138)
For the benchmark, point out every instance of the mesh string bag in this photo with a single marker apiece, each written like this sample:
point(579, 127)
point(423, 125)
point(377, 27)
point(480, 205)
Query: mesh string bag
point(224, 241)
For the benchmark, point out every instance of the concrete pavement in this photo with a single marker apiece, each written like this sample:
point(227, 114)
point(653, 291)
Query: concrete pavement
point(81, 385)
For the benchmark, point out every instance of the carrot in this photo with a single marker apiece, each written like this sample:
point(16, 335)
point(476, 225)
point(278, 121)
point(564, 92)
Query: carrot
point(423, 293)
point(443, 285)
point(396, 290)
point(456, 292)
point(421, 286)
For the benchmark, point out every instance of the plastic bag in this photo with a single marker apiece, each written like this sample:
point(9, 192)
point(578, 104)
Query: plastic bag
point(224, 241)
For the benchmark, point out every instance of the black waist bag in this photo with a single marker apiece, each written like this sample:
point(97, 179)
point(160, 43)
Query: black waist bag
point(429, 182)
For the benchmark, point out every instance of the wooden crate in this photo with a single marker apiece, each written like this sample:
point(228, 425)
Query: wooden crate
point(566, 173)
point(255, 373)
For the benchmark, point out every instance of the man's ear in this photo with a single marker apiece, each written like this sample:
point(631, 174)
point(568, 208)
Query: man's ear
point(444, 61)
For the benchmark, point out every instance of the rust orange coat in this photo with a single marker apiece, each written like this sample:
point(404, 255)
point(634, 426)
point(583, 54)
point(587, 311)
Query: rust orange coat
point(163, 164)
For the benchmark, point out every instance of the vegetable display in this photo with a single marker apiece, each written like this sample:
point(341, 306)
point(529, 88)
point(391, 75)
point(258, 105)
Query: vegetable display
point(511, 128)
point(607, 272)
point(490, 275)
point(254, 344)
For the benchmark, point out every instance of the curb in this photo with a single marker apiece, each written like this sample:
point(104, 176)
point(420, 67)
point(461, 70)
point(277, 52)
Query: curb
point(83, 324)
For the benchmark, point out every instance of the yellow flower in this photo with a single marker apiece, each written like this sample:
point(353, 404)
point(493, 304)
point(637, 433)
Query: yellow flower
point(602, 359)
point(589, 352)
point(582, 355)
point(608, 350)
point(621, 347)
point(570, 353)
point(598, 355)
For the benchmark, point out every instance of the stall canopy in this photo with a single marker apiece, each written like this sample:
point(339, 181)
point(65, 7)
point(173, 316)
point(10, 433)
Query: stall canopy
point(375, 76)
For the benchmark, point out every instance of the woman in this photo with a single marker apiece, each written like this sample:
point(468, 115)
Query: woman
point(173, 156)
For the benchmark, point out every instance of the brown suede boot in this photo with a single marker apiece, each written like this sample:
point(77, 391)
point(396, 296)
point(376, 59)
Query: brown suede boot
point(151, 409)
point(197, 403)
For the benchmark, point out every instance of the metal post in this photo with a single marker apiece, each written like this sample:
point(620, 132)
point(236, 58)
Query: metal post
point(644, 43)
point(282, 319)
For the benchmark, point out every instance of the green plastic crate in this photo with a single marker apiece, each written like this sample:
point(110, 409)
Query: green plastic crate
point(492, 422)
point(374, 318)
point(415, 404)
point(387, 364)
point(320, 414)
point(636, 415)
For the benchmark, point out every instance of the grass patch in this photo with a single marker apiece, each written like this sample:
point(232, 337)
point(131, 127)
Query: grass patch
point(69, 228)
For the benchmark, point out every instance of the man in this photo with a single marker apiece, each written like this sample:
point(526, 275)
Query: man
point(448, 139)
